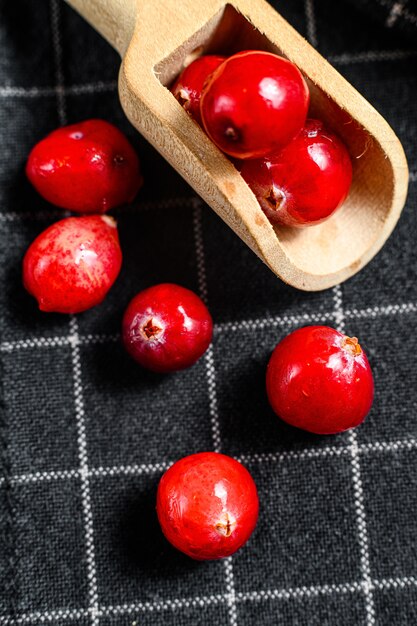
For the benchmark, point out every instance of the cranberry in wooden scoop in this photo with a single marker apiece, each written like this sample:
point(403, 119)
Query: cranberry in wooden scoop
point(166, 328)
point(156, 38)
point(188, 86)
point(207, 505)
point(89, 167)
point(71, 265)
point(306, 181)
point(254, 104)
point(318, 379)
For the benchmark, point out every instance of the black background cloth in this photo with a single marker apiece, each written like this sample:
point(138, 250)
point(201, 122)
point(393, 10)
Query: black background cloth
point(399, 15)
point(85, 434)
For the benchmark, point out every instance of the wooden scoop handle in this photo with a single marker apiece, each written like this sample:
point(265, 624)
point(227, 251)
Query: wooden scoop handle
point(113, 19)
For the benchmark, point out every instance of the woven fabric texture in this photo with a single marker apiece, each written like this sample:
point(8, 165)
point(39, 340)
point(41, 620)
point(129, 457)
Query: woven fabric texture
point(398, 15)
point(85, 434)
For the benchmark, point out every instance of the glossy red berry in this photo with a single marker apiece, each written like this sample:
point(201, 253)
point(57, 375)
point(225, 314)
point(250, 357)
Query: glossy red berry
point(207, 505)
point(166, 328)
point(306, 181)
point(254, 104)
point(188, 86)
point(71, 265)
point(88, 167)
point(320, 380)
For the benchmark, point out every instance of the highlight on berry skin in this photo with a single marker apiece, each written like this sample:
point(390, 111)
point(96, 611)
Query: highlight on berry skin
point(319, 379)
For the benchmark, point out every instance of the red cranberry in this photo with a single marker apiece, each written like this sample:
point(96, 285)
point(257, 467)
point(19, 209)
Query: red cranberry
point(167, 328)
point(88, 167)
point(320, 380)
point(254, 104)
point(207, 505)
point(306, 181)
point(71, 266)
point(188, 86)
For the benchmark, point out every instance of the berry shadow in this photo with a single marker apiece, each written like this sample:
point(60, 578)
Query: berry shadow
point(21, 317)
point(130, 410)
point(109, 366)
point(24, 52)
point(139, 562)
point(18, 195)
point(248, 424)
point(142, 543)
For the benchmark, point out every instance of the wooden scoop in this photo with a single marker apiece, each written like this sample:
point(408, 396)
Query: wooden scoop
point(157, 38)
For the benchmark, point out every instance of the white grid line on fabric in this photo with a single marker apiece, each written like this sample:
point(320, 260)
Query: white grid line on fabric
point(297, 593)
point(377, 447)
point(289, 455)
point(231, 596)
point(98, 339)
point(363, 530)
point(100, 86)
point(89, 472)
point(371, 56)
point(388, 446)
point(405, 13)
point(272, 322)
point(76, 358)
point(208, 357)
point(317, 317)
point(49, 92)
point(84, 472)
point(357, 487)
point(14, 216)
point(51, 342)
point(379, 311)
point(130, 470)
point(396, 11)
point(311, 22)
point(36, 342)
point(255, 324)
point(395, 583)
point(57, 53)
point(338, 313)
point(211, 384)
point(381, 447)
point(47, 476)
point(45, 617)
point(163, 605)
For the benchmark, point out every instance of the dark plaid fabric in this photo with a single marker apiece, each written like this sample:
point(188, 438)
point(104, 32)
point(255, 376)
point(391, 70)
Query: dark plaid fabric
point(85, 434)
point(399, 15)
